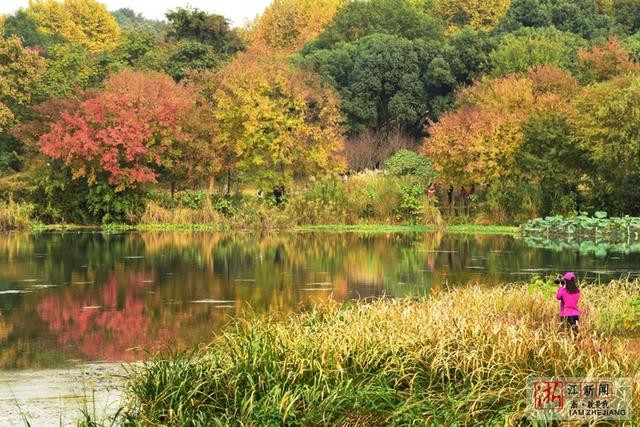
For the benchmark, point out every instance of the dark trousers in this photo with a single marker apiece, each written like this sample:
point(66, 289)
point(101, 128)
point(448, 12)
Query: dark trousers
point(571, 322)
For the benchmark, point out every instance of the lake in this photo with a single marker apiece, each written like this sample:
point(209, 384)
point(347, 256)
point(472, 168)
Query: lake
point(77, 297)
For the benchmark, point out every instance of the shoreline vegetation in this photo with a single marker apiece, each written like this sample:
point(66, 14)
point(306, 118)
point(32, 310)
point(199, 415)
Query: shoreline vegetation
point(453, 357)
point(332, 112)
point(329, 228)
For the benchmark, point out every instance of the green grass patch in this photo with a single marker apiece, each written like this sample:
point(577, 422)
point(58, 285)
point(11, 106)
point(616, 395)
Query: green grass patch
point(336, 228)
point(38, 227)
point(164, 227)
point(381, 228)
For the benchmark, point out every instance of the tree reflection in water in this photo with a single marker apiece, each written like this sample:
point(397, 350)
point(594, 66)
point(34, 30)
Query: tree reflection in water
point(95, 296)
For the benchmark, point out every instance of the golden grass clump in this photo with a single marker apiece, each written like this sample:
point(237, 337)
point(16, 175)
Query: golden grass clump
point(15, 216)
point(460, 357)
point(156, 214)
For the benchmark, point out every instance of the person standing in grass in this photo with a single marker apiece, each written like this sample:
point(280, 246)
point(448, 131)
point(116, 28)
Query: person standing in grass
point(569, 296)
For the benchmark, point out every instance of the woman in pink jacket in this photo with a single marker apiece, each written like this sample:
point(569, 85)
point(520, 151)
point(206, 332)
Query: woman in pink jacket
point(569, 296)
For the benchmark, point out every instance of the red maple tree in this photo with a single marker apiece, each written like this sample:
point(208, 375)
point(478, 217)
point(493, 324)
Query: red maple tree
point(127, 132)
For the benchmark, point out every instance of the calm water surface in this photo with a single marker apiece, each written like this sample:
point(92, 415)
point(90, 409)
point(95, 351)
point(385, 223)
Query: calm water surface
point(78, 297)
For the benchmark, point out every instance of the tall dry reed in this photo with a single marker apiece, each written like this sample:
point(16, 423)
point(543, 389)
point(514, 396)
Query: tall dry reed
point(456, 358)
point(15, 216)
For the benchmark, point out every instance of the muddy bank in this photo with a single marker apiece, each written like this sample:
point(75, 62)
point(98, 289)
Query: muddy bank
point(55, 397)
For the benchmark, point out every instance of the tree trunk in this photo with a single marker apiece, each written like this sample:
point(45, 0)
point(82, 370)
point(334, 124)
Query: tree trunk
point(228, 191)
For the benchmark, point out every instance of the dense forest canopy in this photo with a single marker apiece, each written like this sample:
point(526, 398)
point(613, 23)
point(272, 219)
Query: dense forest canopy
point(532, 101)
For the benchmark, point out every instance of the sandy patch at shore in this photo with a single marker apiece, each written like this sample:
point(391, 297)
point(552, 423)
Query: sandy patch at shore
point(55, 397)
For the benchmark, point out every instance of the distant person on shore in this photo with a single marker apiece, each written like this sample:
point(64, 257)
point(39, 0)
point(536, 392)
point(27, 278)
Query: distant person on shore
point(450, 195)
point(431, 191)
point(569, 296)
point(464, 196)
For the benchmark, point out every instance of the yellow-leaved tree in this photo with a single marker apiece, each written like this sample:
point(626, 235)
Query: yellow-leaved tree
point(605, 7)
point(20, 73)
point(479, 14)
point(83, 22)
point(271, 121)
point(288, 24)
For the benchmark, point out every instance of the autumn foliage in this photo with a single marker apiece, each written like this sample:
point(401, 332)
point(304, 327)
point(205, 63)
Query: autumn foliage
point(125, 132)
point(605, 61)
point(490, 88)
point(83, 22)
point(476, 143)
point(482, 14)
point(288, 24)
point(505, 135)
point(272, 121)
point(20, 69)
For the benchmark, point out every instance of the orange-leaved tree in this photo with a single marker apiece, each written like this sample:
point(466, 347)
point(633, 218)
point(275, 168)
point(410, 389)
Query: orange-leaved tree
point(476, 142)
point(508, 134)
point(605, 61)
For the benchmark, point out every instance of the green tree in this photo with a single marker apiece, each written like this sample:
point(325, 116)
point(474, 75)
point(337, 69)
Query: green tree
point(467, 53)
point(130, 21)
point(206, 28)
point(581, 17)
point(135, 46)
point(69, 68)
point(627, 14)
point(385, 81)
point(606, 126)
point(409, 163)
point(528, 47)
point(195, 41)
point(632, 45)
point(402, 18)
point(186, 56)
point(21, 25)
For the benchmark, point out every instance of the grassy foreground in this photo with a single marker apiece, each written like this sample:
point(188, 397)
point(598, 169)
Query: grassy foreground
point(458, 357)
